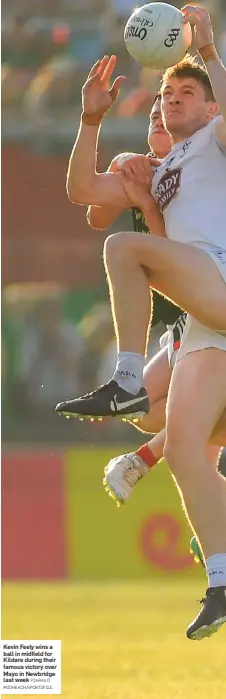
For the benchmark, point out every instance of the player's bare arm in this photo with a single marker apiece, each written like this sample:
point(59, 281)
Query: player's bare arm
point(139, 195)
point(137, 167)
point(101, 217)
point(204, 42)
point(134, 174)
point(84, 184)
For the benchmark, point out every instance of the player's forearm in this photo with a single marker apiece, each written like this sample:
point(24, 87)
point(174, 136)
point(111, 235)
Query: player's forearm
point(82, 164)
point(217, 75)
point(154, 218)
point(84, 184)
point(103, 216)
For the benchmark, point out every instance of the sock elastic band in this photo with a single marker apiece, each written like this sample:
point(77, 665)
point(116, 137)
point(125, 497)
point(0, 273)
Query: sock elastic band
point(147, 455)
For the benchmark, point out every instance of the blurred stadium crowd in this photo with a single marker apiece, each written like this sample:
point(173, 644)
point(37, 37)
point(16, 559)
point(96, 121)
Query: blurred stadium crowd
point(57, 336)
point(48, 46)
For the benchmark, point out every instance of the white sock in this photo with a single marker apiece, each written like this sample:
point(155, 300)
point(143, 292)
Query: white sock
point(216, 570)
point(129, 371)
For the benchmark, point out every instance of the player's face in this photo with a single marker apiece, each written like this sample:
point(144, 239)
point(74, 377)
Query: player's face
point(184, 107)
point(158, 138)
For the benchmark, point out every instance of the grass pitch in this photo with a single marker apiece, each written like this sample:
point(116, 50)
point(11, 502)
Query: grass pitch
point(122, 640)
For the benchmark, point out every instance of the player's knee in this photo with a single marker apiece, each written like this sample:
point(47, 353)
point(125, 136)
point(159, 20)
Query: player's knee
point(174, 456)
point(171, 452)
point(181, 451)
point(115, 245)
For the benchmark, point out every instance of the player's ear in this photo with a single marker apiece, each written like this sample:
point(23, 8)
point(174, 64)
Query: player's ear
point(213, 108)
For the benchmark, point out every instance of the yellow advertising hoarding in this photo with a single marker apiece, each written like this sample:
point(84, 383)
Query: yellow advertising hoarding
point(147, 536)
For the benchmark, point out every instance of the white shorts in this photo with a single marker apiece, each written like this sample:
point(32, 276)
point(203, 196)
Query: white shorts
point(198, 337)
point(187, 334)
point(172, 338)
point(219, 259)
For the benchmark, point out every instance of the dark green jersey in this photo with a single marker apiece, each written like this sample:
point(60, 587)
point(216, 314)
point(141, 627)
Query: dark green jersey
point(164, 310)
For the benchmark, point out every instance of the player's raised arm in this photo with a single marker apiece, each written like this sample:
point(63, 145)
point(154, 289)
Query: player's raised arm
point(204, 42)
point(84, 184)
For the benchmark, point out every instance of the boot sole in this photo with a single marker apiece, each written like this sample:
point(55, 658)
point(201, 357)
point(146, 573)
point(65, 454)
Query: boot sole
point(132, 417)
point(208, 630)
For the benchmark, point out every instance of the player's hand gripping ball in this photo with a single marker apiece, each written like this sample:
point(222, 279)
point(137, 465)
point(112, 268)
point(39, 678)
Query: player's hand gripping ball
point(157, 36)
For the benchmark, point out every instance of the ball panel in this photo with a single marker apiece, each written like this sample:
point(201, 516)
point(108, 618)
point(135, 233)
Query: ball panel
point(176, 19)
point(166, 56)
point(141, 26)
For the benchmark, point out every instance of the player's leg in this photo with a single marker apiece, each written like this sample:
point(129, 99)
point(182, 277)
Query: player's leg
point(196, 400)
point(133, 261)
point(157, 374)
point(213, 454)
point(219, 432)
point(122, 473)
point(155, 420)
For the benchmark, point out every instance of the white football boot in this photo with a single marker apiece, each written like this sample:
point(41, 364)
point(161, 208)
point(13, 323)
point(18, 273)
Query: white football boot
point(122, 474)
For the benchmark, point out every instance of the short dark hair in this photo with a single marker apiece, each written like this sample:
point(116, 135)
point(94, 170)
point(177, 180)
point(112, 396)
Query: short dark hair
point(189, 67)
point(157, 98)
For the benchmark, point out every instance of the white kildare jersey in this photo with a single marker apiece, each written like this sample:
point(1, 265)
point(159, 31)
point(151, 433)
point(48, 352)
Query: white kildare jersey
point(190, 188)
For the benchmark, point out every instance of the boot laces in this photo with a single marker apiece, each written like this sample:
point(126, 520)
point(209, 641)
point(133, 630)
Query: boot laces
point(133, 472)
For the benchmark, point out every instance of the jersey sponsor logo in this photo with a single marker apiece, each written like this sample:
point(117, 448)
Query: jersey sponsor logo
point(167, 187)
